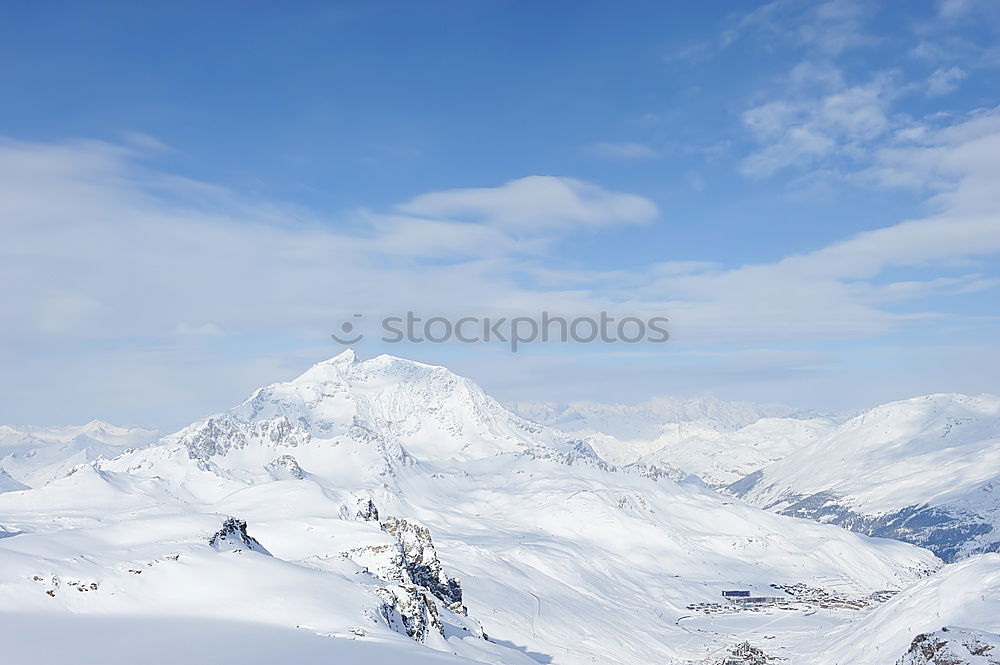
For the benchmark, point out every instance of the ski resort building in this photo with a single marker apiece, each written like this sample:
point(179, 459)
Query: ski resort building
point(736, 594)
point(744, 598)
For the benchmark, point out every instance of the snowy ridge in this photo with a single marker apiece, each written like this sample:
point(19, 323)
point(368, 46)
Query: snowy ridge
point(925, 470)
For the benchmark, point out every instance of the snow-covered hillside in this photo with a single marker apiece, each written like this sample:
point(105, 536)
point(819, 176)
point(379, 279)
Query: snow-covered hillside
point(923, 470)
point(959, 605)
point(388, 505)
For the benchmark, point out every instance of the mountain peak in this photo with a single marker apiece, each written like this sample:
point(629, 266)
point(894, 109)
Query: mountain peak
point(346, 368)
point(332, 368)
point(436, 414)
point(345, 357)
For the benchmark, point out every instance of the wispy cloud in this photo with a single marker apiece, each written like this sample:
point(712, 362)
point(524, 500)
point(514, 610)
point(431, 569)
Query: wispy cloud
point(830, 28)
point(622, 150)
point(944, 80)
point(534, 202)
point(820, 117)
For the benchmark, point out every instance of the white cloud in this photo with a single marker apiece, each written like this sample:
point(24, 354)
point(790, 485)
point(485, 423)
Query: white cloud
point(830, 27)
point(99, 247)
point(944, 80)
point(954, 162)
point(93, 251)
point(419, 237)
point(622, 150)
point(535, 202)
point(836, 120)
point(954, 8)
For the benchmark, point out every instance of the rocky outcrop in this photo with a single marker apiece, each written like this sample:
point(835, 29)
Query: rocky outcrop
point(746, 654)
point(383, 561)
point(220, 434)
point(359, 507)
point(285, 467)
point(410, 609)
point(366, 509)
point(233, 537)
point(421, 562)
point(953, 646)
point(417, 581)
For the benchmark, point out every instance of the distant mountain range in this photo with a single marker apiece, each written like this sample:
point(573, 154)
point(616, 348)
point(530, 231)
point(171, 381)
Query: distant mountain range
point(33, 456)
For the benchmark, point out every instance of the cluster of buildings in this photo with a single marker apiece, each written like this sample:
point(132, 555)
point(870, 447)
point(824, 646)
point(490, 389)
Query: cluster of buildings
point(741, 597)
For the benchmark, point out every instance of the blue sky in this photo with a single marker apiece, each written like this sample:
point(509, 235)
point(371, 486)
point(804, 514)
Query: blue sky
point(194, 198)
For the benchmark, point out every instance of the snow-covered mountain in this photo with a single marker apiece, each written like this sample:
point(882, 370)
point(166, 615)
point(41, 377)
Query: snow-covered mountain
point(644, 421)
point(718, 441)
point(32, 456)
point(390, 505)
point(923, 470)
point(720, 456)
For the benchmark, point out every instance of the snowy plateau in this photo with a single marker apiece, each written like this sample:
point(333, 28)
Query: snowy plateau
point(387, 511)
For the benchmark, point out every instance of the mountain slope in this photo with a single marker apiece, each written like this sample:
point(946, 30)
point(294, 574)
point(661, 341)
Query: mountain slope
point(8, 484)
point(924, 470)
point(387, 500)
point(964, 595)
point(116, 640)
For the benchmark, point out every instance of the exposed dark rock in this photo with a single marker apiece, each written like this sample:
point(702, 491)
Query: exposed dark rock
point(746, 654)
point(220, 434)
point(366, 509)
point(421, 562)
point(742, 486)
point(285, 467)
point(953, 646)
point(410, 609)
point(233, 536)
point(417, 580)
point(946, 531)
